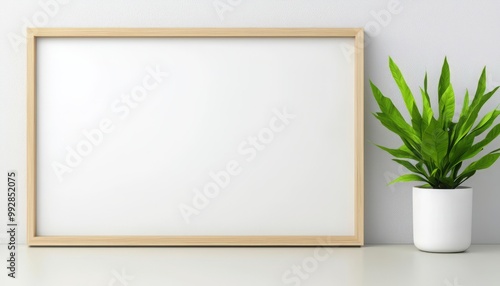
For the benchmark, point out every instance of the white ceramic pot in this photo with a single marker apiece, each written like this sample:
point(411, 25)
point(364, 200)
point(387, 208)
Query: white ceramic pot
point(442, 219)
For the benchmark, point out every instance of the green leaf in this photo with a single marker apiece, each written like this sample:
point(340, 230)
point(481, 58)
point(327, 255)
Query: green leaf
point(400, 127)
point(478, 147)
point(481, 88)
point(434, 143)
point(420, 167)
point(391, 118)
point(435, 173)
point(483, 163)
point(427, 113)
point(425, 83)
point(447, 107)
point(445, 183)
point(464, 114)
point(485, 122)
point(408, 97)
point(456, 168)
point(414, 150)
point(473, 114)
point(444, 79)
point(465, 107)
point(399, 153)
point(409, 178)
point(458, 150)
point(462, 178)
point(407, 165)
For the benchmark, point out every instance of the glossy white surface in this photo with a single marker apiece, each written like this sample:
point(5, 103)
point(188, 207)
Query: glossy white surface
point(402, 265)
point(442, 219)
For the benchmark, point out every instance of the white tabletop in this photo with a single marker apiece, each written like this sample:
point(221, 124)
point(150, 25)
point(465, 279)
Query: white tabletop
point(401, 265)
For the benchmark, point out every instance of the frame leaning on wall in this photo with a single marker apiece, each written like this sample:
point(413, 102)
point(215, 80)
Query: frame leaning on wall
point(35, 239)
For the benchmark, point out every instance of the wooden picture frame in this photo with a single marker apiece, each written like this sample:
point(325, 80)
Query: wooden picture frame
point(69, 70)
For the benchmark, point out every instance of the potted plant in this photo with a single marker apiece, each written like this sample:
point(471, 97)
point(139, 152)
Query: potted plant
point(442, 152)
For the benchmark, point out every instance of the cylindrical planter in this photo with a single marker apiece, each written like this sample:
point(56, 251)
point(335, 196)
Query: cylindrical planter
point(442, 219)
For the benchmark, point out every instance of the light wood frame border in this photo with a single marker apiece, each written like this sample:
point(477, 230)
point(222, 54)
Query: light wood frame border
point(34, 240)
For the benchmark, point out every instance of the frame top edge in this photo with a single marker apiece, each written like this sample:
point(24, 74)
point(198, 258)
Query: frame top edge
point(193, 32)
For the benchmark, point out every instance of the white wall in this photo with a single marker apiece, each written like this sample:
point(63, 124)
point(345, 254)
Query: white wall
point(417, 34)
